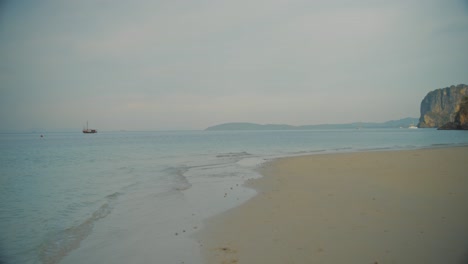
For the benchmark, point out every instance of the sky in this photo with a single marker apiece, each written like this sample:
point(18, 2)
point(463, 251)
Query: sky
point(172, 65)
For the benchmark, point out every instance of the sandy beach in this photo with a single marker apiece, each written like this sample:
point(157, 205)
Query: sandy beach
point(407, 206)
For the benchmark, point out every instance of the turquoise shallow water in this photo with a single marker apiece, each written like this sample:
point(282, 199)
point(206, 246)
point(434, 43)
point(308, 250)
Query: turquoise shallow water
point(136, 197)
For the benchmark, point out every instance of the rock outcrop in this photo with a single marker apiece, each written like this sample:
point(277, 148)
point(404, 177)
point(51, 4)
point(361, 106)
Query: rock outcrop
point(461, 118)
point(462, 115)
point(441, 106)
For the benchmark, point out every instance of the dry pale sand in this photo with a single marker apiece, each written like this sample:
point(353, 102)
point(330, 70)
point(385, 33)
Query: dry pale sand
point(374, 207)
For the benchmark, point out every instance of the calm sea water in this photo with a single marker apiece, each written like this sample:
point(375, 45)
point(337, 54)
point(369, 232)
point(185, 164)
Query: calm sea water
point(138, 197)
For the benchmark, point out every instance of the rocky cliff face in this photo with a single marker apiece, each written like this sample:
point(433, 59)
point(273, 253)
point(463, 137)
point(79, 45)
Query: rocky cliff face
point(441, 106)
point(461, 118)
point(462, 115)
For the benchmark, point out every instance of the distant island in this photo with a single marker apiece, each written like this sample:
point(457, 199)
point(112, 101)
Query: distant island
point(405, 123)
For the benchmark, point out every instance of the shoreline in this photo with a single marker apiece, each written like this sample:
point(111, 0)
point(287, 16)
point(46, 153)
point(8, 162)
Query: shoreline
point(396, 206)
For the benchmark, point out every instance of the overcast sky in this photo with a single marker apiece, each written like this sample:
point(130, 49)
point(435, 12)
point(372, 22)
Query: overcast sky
point(163, 65)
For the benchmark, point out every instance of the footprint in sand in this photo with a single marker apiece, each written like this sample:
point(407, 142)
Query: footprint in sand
point(227, 255)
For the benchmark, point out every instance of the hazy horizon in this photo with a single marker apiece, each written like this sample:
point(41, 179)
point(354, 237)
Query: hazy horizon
point(78, 129)
point(177, 65)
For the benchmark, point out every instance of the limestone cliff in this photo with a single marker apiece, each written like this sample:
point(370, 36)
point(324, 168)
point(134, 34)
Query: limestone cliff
point(462, 115)
point(441, 106)
point(461, 118)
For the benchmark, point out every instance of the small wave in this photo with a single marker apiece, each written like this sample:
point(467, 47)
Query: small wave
point(63, 242)
point(316, 151)
point(126, 169)
point(114, 195)
point(233, 154)
point(308, 151)
point(441, 144)
point(343, 148)
point(375, 149)
point(300, 152)
point(181, 182)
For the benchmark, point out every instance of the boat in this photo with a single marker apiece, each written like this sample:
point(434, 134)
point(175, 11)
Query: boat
point(412, 126)
point(89, 131)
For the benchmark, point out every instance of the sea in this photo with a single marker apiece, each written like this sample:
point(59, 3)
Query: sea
point(141, 197)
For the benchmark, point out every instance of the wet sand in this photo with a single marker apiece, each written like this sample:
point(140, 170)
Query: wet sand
point(373, 207)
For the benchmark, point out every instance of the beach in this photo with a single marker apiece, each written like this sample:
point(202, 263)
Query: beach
point(405, 206)
point(155, 197)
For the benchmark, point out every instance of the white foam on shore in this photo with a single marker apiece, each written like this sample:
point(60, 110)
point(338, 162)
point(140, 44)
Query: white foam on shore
point(160, 226)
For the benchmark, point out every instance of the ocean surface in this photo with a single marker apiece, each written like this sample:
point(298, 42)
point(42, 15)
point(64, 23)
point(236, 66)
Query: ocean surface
point(139, 197)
